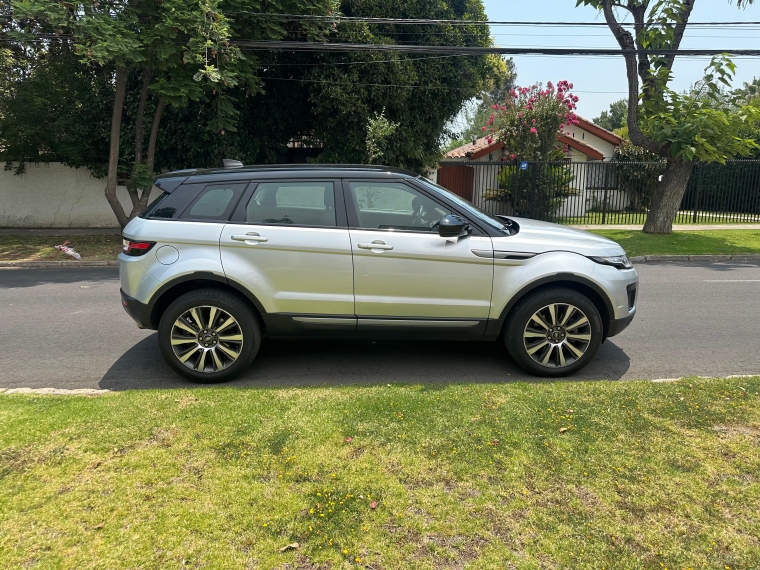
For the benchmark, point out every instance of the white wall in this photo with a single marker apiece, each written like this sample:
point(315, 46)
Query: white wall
point(56, 196)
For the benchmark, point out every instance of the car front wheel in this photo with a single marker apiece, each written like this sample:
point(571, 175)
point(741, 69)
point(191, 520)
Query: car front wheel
point(209, 336)
point(553, 332)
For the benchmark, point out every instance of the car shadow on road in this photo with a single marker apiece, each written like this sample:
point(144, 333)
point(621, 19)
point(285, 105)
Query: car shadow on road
point(17, 277)
point(319, 363)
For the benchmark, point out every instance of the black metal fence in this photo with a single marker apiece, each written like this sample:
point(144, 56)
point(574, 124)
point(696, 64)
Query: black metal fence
point(598, 192)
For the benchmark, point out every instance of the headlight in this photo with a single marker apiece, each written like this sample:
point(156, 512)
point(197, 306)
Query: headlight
point(619, 261)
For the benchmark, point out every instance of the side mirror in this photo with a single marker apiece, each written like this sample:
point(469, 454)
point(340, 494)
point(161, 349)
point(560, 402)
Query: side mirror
point(452, 226)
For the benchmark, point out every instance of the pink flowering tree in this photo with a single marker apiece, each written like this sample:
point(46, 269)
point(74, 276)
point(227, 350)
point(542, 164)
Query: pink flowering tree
point(531, 119)
point(529, 123)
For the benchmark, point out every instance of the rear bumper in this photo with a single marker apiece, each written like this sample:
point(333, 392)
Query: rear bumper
point(619, 325)
point(140, 312)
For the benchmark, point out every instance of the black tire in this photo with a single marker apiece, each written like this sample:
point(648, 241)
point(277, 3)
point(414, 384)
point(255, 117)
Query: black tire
point(519, 319)
point(246, 325)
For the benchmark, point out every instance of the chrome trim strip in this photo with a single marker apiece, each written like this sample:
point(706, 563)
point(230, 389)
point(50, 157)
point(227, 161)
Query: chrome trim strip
point(325, 320)
point(487, 253)
point(417, 323)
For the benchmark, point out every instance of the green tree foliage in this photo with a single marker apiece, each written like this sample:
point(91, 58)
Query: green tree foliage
point(615, 118)
point(681, 128)
point(749, 93)
point(379, 129)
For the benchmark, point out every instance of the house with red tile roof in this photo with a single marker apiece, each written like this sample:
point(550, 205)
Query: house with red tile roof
point(586, 143)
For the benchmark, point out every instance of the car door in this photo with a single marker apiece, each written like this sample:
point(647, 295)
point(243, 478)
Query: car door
point(407, 277)
point(288, 243)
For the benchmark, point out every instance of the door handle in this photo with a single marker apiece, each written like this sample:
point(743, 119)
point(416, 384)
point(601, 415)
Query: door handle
point(376, 245)
point(250, 237)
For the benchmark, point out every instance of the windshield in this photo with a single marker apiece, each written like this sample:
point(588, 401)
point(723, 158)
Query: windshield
point(467, 205)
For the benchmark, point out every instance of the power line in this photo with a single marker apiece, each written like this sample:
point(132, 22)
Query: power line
point(472, 50)
point(427, 21)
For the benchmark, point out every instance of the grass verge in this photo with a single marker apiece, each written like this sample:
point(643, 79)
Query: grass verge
point(546, 475)
point(708, 242)
point(42, 248)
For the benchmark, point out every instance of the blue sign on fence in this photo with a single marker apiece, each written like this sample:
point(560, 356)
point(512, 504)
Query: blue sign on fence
point(524, 165)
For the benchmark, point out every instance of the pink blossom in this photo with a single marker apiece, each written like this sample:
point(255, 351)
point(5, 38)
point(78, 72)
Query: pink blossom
point(533, 131)
point(373, 505)
point(513, 156)
point(513, 93)
point(495, 107)
point(483, 129)
point(534, 121)
point(489, 139)
point(550, 85)
point(562, 126)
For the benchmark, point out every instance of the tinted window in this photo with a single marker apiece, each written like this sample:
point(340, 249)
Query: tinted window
point(215, 202)
point(395, 206)
point(304, 203)
point(153, 205)
point(172, 205)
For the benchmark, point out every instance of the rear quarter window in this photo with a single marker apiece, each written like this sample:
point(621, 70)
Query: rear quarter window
point(171, 206)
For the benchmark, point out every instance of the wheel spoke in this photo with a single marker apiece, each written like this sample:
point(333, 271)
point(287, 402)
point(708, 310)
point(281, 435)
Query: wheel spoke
point(202, 362)
point(217, 363)
point(540, 321)
point(568, 314)
point(226, 324)
point(548, 355)
point(553, 314)
point(529, 334)
point(180, 323)
point(574, 350)
point(579, 336)
point(236, 338)
point(561, 355)
point(179, 340)
point(536, 348)
point(229, 352)
point(211, 317)
point(196, 317)
point(185, 357)
point(582, 321)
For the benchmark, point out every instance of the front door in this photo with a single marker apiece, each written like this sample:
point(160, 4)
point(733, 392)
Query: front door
point(405, 274)
point(289, 245)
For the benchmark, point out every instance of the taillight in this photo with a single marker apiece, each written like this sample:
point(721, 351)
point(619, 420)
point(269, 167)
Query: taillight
point(136, 248)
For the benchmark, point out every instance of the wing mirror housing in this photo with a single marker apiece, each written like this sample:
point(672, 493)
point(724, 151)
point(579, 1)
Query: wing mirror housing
point(453, 226)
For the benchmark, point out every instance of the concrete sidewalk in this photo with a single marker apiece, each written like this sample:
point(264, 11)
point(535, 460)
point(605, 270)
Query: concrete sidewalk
point(676, 228)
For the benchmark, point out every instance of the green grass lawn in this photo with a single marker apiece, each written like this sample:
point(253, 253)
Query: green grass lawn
point(543, 475)
point(711, 242)
point(42, 248)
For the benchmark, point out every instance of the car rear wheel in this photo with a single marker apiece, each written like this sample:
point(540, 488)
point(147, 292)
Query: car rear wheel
point(553, 332)
point(209, 336)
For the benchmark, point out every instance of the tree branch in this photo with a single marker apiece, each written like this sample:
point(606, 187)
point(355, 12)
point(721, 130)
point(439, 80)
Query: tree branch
point(147, 77)
point(625, 40)
point(154, 132)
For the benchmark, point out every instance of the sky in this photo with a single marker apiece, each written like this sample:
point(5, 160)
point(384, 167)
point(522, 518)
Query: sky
point(599, 81)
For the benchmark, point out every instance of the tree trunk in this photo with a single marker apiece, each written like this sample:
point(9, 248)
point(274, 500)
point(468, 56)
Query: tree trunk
point(667, 198)
point(113, 155)
point(150, 157)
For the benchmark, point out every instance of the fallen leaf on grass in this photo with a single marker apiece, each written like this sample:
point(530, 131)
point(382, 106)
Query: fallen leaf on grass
point(96, 464)
point(495, 442)
point(563, 429)
point(291, 546)
point(349, 439)
point(99, 526)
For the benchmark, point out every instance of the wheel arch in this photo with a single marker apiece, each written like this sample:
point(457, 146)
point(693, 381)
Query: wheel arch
point(172, 290)
point(572, 281)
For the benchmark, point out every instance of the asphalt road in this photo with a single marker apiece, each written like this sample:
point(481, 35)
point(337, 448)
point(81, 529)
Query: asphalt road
point(65, 328)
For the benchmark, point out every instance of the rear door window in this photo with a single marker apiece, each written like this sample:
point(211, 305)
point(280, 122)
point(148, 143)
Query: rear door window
point(293, 203)
point(215, 203)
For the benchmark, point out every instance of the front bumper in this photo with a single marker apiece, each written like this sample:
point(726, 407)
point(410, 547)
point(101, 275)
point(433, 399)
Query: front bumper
point(140, 312)
point(619, 325)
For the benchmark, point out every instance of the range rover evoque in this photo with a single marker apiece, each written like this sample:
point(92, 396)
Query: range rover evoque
point(225, 257)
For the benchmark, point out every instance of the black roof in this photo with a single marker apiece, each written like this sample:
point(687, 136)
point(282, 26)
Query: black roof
point(171, 180)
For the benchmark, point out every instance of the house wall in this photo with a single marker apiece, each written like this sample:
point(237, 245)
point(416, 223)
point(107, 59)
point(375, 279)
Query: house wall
point(56, 196)
point(576, 132)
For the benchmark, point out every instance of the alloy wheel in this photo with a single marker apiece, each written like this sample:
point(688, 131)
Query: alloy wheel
point(206, 339)
point(557, 335)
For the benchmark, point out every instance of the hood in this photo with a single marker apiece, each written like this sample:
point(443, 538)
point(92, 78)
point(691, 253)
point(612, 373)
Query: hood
point(541, 237)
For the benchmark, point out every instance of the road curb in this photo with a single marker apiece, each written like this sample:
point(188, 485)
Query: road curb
point(646, 258)
point(28, 264)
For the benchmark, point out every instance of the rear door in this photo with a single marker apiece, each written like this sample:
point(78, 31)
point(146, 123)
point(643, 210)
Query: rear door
point(288, 243)
point(405, 275)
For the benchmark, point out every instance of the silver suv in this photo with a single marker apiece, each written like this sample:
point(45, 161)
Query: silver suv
point(225, 257)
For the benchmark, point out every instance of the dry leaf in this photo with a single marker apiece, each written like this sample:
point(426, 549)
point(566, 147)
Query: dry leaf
point(563, 429)
point(96, 465)
point(292, 545)
point(99, 526)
